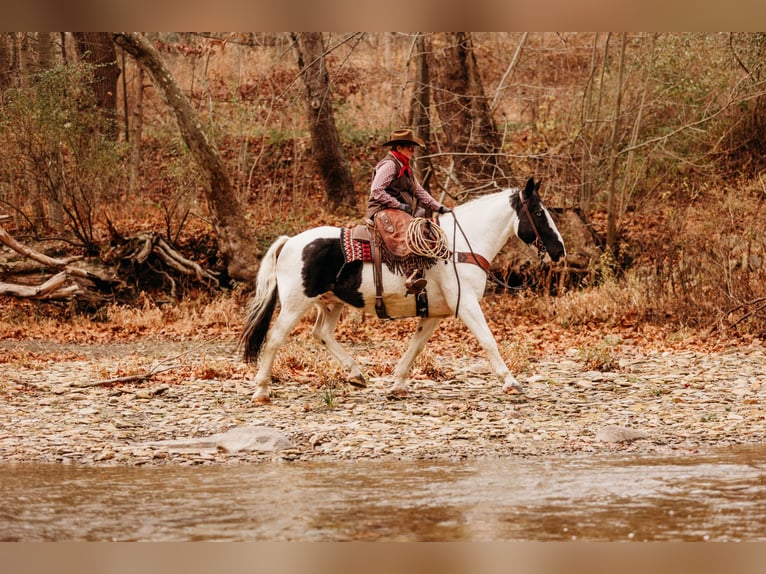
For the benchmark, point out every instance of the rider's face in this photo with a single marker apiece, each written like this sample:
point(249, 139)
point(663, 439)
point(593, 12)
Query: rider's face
point(407, 150)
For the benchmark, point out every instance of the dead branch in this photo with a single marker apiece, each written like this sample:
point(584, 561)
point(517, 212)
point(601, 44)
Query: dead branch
point(26, 251)
point(157, 368)
point(146, 249)
point(137, 378)
point(718, 324)
point(53, 288)
point(180, 263)
point(153, 244)
point(50, 262)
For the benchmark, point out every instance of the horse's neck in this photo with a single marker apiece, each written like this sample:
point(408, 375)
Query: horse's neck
point(488, 223)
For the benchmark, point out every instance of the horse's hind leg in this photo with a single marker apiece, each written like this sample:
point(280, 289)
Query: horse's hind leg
point(327, 317)
point(424, 330)
point(288, 317)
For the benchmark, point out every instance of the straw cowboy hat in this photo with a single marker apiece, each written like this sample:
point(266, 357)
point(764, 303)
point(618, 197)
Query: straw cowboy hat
point(404, 135)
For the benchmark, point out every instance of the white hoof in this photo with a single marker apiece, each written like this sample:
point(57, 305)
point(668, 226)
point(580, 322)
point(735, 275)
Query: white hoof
point(261, 397)
point(511, 385)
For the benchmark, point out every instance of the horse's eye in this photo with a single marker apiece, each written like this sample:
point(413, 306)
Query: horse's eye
point(539, 213)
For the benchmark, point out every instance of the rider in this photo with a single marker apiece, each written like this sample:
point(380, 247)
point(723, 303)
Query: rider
point(394, 187)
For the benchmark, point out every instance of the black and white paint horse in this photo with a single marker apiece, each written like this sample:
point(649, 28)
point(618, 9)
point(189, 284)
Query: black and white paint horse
point(302, 272)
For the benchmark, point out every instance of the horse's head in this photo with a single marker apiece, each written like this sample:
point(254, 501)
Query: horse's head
point(536, 226)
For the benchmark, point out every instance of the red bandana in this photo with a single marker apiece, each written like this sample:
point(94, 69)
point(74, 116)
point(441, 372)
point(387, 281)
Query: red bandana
point(404, 161)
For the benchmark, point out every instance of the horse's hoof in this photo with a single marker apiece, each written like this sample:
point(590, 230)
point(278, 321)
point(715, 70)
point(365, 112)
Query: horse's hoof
point(261, 401)
point(358, 382)
point(398, 394)
point(513, 390)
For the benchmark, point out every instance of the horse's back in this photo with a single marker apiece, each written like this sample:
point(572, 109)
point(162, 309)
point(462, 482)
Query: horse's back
point(310, 261)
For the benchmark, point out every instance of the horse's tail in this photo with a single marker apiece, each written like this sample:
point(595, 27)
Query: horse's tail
point(262, 306)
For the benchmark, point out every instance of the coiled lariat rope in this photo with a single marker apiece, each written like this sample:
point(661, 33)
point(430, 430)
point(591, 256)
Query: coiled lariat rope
point(427, 239)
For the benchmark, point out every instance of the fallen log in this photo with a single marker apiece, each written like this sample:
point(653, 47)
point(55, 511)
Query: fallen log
point(53, 288)
point(29, 273)
point(140, 248)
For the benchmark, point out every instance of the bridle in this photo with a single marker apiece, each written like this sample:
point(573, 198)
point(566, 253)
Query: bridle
point(538, 242)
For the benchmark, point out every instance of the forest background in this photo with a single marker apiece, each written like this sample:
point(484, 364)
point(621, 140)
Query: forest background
point(126, 213)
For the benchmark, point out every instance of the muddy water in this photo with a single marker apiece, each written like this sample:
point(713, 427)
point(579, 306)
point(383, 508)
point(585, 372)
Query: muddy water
point(715, 496)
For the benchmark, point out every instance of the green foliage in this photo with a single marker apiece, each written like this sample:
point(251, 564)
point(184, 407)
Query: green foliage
point(327, 395)
point(56, 165)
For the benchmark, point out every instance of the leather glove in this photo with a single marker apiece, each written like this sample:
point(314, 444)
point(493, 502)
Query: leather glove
point(406, 208)
point(444, 209)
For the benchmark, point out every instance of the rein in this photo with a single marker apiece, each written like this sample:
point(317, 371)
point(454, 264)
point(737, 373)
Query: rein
point(538, 243)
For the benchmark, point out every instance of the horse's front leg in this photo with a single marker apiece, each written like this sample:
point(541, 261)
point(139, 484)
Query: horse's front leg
point(424, 330)
point(471, 314)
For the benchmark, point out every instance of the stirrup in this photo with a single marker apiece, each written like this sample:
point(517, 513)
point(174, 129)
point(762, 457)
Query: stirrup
point(414, 285)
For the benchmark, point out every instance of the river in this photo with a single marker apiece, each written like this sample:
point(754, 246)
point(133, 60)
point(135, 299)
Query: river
point(716, 496)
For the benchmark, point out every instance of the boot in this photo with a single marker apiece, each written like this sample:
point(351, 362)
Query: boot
point(415, 284)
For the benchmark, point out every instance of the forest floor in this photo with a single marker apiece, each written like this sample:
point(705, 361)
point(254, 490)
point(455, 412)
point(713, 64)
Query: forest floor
point(587, 390)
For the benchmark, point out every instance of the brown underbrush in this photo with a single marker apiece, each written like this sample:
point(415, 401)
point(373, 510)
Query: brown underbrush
point(689, 267)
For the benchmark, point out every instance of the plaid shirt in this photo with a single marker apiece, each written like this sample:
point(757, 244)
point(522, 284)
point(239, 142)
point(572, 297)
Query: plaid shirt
point(385, 173)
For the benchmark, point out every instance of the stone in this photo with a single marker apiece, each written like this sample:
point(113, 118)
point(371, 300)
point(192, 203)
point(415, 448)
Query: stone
point(614, 433)
point(691, 400)
point(246, 438)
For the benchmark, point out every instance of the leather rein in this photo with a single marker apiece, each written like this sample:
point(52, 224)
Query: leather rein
point(480, 261)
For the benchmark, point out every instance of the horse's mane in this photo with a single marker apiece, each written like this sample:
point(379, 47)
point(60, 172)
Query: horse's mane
point(478, 200)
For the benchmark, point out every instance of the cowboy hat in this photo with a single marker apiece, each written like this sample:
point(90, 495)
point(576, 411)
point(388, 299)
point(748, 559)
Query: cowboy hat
point(404, 135)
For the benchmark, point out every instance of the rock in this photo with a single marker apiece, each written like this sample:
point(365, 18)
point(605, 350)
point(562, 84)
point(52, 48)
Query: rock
point(613, 433)
point(253, 438)
point(106, 454)
point(689, 400)
point(245, 438)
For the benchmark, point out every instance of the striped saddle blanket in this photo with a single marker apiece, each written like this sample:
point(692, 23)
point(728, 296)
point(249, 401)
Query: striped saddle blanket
point(353, 249)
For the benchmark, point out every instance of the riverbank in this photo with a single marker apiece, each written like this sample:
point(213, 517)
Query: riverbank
point(60, 406)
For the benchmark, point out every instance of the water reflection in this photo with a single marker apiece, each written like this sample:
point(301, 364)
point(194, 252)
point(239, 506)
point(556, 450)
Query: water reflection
point(720, 496)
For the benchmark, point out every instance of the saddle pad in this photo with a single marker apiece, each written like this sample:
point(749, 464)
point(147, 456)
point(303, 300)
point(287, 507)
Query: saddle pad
point(354, 250)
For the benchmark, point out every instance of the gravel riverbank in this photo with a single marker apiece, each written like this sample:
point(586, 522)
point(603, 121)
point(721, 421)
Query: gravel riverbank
point(59, 409)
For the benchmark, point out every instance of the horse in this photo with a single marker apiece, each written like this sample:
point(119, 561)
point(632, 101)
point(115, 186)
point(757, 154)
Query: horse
point(302, 272)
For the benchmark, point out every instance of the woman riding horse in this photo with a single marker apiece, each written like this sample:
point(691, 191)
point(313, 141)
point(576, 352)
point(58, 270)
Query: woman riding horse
point(394, 187)
point(301, 272)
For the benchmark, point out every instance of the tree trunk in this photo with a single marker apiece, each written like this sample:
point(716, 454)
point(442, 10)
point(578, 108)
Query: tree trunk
point(136, 130)
point(327, 149)
point(44, 51)
point(239, 251)
point(419, 119)
point(51, 213)
point(6, 60)
point(464, 111)
point(611, 207)
point(22, 58)
point(98, 49)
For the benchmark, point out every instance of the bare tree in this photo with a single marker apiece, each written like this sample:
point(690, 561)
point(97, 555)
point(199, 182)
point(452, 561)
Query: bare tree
point(419, 118)
point(464, 111)
point(6, 59)
point(135, 132)
point(237, 247)
point(97, 49)
point(611, 207)
point(327, 149)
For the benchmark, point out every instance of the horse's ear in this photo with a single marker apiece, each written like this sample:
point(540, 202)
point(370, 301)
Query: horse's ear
point(529, 189)
point(537, 185)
